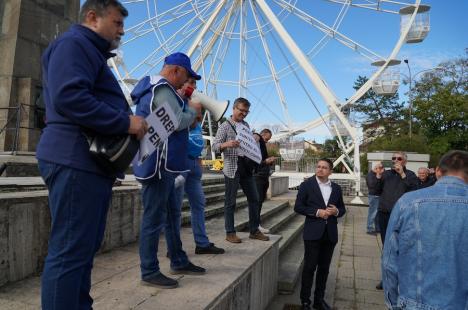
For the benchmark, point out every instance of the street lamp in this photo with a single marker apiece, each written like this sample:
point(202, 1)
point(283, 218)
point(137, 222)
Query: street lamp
point(410, 81)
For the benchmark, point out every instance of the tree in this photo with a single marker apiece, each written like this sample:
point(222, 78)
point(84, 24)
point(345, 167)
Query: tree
point(379, 110)
point(440, 102)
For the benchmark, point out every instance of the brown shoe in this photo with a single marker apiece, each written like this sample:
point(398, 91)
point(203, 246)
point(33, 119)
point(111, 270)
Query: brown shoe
point(232, 237)
point(259, 236)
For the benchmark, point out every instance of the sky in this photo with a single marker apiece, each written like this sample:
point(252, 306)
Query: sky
point(337, 65)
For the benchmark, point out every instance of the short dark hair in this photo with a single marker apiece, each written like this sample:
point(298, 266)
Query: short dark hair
point(266, 130)
point(242, 101)
point(100, 7)
point(330, 163)
point(454, 161)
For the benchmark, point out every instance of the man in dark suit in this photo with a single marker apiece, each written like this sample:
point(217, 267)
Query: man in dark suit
point(321, 201)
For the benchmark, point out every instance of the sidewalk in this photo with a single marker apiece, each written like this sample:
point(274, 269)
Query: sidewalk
point(354, 272)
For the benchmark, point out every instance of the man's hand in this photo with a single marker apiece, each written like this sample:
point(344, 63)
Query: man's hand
point(270, 160)
point(138, 126)
point(323, 214)
point(198, 109)
point(378, 170)
point(332, 210)
point(399, 169)
point(230, 144)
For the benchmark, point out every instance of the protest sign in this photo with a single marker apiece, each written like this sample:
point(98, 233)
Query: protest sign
point(161, 123)
point(248, 146)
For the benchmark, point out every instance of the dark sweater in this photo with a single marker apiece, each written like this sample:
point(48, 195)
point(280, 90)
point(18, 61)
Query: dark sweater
point(390, 187)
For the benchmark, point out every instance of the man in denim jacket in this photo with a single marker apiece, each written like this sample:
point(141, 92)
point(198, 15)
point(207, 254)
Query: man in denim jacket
point(425, 259)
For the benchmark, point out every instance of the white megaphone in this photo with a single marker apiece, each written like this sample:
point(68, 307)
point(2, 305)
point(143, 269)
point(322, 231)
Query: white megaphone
point(216, 108)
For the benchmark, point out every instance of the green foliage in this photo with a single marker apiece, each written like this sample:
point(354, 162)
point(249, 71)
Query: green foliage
point(330, 148)
point(400, 143)
point(385, 111)
point(441, 106)
point(440, 113)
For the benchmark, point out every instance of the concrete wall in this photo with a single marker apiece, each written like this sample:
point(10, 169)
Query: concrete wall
point(254, 289)
point(27, 27)
point(25, 228)
point(278, 185)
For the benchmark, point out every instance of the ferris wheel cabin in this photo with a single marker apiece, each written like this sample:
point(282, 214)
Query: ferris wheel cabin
point(388, 81)
point(421, 25)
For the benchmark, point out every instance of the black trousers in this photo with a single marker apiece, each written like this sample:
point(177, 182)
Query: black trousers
point(317, 255)
point(262, 188)
point(383, 219)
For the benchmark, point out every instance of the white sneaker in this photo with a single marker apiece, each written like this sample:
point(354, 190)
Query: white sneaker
point(263, 230)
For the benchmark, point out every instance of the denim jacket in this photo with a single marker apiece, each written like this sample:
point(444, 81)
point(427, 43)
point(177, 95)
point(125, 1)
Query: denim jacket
point(425, 258)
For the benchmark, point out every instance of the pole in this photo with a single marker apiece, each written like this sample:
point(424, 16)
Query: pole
point(410, 99)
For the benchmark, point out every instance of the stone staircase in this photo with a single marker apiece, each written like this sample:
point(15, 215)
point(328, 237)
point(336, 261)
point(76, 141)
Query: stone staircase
point(120, 249)
point(277, 215)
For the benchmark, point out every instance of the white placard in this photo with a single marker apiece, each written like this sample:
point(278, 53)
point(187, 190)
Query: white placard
point(248, 146)
point(161, 123)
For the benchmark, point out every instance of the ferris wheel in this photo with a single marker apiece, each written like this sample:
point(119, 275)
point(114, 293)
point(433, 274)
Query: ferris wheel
point(280, 54)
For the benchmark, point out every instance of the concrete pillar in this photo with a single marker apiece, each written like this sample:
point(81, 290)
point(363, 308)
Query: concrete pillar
point(27, 27)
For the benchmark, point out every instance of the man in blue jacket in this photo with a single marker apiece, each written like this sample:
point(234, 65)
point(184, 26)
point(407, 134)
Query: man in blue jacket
point(81, 95)
point(425, 257)
point(158, 172)
point(321, 201)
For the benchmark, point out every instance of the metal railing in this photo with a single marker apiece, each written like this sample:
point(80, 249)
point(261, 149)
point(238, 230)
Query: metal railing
point(20, 113)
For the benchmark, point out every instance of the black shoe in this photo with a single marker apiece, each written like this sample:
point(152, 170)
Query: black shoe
point(321, 305)
point(305, 306)
point(379, 286)
point(189, 269)
point(211, 249)
point(160, 281)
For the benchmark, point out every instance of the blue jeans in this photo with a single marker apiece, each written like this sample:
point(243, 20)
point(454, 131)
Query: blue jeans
point(78, 203)
point(160, 212)
point(250, 190)
point(196, 197)
point(372, 212)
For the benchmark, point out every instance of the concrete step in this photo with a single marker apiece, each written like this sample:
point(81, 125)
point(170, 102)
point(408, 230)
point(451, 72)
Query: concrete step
point(291, 261)
point(290, 230)
point(211, 198)
point(276, 221)
point(212, 210)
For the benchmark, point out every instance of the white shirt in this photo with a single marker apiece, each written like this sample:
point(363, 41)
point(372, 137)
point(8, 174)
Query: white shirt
point(325, 189)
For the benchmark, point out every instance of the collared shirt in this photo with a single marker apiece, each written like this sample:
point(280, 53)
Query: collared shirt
point(325, 189)
point(226, 133)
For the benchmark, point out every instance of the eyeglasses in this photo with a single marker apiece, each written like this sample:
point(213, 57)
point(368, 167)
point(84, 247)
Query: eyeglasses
point(397, 158)
point(243, 111)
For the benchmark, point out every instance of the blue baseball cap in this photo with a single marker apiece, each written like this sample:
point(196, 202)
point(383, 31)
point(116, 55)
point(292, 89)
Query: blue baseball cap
point(180, 59)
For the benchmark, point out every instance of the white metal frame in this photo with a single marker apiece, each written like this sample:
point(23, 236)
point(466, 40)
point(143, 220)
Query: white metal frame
point(225, 29)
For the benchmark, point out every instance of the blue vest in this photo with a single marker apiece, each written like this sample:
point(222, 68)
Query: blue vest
point(172, 156)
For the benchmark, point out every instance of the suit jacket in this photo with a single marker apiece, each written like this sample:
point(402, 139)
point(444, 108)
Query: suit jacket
point(309, 199)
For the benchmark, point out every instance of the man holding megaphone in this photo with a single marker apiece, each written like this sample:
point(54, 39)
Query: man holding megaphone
point(158, 172)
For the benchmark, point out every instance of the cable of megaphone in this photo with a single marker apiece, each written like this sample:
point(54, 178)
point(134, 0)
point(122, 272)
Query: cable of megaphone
point(216, 108)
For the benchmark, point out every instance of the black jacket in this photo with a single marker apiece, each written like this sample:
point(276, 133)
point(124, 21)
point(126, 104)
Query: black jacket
point(429, 182)
point(390, 187)
point(371, 181)
point(309, 199)
point(262, 170)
